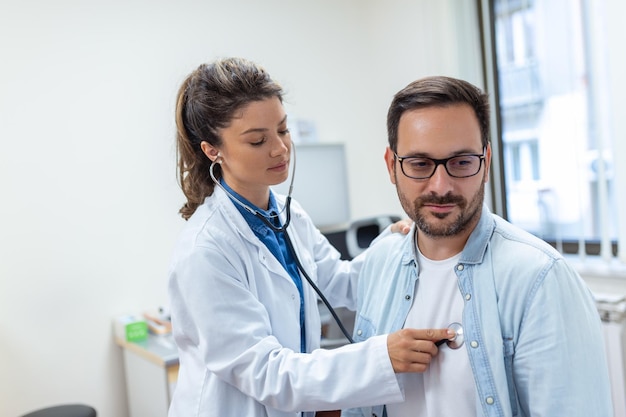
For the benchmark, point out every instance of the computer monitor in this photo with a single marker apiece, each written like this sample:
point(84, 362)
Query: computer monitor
point(321, 184)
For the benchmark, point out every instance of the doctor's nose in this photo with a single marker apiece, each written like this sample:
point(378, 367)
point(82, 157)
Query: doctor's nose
point(280, 145)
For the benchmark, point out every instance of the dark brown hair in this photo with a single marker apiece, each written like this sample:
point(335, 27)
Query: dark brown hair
point(207, 101)
point(437, 91)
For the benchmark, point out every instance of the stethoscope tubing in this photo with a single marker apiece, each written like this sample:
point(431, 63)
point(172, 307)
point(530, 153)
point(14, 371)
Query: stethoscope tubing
point(316, 288)
point(453, 343)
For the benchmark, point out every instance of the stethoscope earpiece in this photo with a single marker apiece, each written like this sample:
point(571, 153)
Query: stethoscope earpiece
point(458, 339)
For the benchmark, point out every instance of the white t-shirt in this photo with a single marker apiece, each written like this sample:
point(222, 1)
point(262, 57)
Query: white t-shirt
point(447, 388)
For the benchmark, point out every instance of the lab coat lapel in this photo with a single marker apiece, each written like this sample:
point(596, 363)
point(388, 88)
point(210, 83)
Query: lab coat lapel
point(265, 257)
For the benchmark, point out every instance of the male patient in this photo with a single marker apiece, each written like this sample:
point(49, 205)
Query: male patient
point(529, 340)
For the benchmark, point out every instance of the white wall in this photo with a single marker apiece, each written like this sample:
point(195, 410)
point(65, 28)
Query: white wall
point(87, 172)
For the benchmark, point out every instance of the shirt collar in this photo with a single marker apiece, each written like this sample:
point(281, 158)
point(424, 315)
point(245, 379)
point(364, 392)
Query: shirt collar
point(257, 225)
point(479, 239)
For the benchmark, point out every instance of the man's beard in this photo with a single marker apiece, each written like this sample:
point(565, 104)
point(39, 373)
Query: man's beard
point(470, 211)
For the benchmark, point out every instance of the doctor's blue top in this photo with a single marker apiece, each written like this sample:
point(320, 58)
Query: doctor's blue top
point(531, 327)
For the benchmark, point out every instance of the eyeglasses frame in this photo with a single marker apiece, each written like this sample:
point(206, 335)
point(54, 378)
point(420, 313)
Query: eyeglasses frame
point(443, 162)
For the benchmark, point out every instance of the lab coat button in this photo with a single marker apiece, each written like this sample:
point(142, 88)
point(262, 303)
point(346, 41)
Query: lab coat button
point(489, 400)
point(474, 344)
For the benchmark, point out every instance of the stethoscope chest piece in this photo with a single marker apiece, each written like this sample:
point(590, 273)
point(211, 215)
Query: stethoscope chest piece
point(458, 340)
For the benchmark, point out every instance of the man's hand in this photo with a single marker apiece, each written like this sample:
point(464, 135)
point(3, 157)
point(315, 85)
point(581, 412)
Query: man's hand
point(411, 350)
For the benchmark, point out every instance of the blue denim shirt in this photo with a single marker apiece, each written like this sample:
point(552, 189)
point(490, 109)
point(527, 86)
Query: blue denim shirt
point(532, 331)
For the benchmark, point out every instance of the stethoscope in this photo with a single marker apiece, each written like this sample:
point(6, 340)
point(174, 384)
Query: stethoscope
point(283, 229)
point(453, 343)
point(457, 340)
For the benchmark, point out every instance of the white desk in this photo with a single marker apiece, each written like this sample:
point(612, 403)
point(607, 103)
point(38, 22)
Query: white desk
point(151, 370)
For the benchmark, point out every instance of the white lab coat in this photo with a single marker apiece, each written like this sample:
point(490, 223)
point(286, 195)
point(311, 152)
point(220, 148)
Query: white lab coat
point(235, 316)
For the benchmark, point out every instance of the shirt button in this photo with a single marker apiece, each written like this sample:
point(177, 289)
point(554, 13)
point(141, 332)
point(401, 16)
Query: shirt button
point(489, 400)
point(407, 297)
point(468, 296)
point(474, 344)
point(359, 332)
point(459, 267)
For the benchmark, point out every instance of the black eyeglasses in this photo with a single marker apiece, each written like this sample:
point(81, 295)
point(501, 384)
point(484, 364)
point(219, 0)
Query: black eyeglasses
point(460, 166)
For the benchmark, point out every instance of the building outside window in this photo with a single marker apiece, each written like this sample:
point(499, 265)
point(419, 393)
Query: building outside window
point(556, 146)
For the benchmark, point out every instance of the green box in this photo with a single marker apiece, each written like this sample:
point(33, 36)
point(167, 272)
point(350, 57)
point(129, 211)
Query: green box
point(131, 328)
point(137, 331)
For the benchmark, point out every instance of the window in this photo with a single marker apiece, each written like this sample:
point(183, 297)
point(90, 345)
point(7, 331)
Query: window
point(546, 70)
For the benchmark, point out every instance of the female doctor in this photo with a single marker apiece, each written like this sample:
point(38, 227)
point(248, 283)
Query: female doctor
point(245, 322)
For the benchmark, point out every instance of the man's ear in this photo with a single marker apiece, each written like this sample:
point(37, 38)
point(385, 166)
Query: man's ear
point(487, 162)
point(390, 161)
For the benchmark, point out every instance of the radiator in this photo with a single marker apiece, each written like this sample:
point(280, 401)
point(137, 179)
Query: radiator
point(612, 310)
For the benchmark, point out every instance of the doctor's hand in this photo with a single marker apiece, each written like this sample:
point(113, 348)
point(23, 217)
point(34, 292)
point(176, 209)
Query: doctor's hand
point(411, 350)
point(402, 226)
